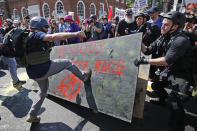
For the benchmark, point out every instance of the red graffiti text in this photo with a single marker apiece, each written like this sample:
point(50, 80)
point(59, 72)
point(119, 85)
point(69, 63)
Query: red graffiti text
point(115, 67)
point(85, 48)
point(64, 87)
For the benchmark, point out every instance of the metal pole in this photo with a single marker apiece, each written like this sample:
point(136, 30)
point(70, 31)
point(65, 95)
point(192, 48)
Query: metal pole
point(153, 3)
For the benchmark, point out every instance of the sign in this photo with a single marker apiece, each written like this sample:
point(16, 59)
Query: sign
point(112, 88)
point(190, 4)
point(140, 4)
point(120, 13)
point(59, 14)
point(34, 10)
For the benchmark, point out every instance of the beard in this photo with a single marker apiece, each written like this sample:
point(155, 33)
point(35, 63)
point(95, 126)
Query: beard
point(43, 30)
point(129, 20)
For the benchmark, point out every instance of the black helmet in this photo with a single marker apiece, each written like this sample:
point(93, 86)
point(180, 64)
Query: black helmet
point(177, 18)
point(93, 16)
point(116, 18)
point(38, 22)
point(147, 16)
point(140, 14)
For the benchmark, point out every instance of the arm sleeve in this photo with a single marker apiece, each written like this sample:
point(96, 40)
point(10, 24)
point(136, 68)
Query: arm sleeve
point(40, 35)
point(177, 50)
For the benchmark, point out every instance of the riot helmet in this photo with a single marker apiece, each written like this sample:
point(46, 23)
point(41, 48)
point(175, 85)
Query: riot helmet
point(176, 17)
point(38, 22)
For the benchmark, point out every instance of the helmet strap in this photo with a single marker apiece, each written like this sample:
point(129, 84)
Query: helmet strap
point(169, 32)
point(41, 29)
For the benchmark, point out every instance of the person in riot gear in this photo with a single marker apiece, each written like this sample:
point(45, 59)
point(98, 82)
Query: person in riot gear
point(40, 67)
point(150, 31)
point(175, 46)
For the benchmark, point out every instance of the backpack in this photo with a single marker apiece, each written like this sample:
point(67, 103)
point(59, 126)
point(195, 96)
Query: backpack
point(14, 43)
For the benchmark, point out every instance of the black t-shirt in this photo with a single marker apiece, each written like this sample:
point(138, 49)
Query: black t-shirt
point(177, 53)
point(150, 33)
point(123, 25)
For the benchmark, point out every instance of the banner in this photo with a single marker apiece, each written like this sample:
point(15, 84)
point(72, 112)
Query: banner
point(112, 89)
point(34, 10)
point(190, 4)
point(140, 4)
point(120, 13)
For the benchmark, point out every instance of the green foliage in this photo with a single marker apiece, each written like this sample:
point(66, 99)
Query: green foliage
point(130, 3)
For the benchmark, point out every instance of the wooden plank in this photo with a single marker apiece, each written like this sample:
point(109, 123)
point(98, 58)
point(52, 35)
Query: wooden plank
point(114, 78)
point(142, 81)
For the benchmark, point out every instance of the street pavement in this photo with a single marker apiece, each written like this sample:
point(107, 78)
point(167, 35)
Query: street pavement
point(60, 115)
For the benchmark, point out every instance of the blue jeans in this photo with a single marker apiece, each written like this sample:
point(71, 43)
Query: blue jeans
point(12, 66)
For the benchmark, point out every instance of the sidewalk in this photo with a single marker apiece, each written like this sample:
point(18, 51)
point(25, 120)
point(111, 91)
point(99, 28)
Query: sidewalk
point(60, 115)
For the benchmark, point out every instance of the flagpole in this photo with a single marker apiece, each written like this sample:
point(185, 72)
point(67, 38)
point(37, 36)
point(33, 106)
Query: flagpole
point(107, 6)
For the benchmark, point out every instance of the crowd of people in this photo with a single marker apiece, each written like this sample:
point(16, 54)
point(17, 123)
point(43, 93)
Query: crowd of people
point(171, 39)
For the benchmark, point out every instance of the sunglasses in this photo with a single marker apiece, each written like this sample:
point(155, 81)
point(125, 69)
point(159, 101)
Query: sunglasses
point(46, 26)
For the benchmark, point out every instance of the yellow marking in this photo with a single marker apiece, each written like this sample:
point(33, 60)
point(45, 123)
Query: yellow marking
point(131, 53)
point(92, 59)
point(194, 93)
point(10, 88)
point(149, 86)
point(105, 83)
point(114, 84)
point(115, 54)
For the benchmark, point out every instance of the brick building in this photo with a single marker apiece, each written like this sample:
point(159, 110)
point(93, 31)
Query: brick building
point(18, 9)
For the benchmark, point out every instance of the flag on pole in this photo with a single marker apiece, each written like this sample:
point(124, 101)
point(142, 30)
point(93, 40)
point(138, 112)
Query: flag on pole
point(78, 20)
point(0, 22)
point(110, 15)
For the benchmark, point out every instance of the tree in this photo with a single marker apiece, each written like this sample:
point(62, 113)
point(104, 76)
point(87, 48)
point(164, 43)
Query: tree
point(130, 3)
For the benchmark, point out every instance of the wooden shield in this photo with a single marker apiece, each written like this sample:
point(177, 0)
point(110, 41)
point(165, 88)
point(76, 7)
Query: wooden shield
point(113, 83)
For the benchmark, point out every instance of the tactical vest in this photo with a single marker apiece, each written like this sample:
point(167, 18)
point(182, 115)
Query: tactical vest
point(38, 57)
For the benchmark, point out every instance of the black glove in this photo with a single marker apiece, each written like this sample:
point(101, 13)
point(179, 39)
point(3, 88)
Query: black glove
point(141, 60)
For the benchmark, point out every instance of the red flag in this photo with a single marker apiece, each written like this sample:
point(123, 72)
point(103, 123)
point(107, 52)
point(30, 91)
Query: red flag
point(110, 15)
point(0, 22)
point(78, 21)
